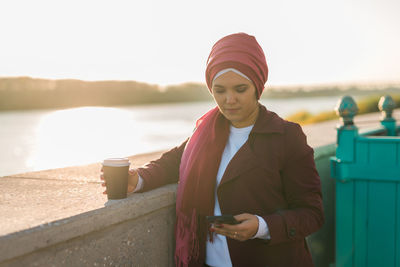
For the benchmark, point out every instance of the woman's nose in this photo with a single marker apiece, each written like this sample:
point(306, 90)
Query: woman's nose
point(230, 98)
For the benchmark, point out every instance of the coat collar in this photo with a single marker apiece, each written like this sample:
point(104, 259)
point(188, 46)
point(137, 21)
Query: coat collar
point(268, 122)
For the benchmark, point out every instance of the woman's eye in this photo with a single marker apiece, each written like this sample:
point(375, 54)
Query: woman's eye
point(219, 91)
point(241, 89)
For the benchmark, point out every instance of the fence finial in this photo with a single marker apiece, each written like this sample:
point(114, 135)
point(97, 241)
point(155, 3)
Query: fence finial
point(386, 105)
point(346, 108)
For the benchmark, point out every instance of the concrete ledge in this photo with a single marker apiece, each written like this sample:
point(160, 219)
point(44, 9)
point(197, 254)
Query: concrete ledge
point(31, 199)
point(134, 207)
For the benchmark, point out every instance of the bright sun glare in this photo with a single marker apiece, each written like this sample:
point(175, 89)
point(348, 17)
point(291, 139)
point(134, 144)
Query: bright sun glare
point(80, 135)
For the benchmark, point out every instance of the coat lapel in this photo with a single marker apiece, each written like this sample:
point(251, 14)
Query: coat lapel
point(244, 160)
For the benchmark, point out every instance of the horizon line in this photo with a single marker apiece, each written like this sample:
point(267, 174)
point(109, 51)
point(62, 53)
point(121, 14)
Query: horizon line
point(267, 85)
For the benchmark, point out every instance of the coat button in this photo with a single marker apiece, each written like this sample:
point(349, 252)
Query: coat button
point(292, 232)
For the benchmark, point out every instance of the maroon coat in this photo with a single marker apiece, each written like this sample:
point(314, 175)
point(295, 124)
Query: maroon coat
point(273, 175)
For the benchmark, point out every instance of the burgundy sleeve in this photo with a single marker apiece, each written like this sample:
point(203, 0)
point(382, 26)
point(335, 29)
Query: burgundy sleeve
point(162, 171)
point(302, 191)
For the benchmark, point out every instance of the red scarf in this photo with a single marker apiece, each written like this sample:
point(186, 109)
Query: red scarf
point(197, 177)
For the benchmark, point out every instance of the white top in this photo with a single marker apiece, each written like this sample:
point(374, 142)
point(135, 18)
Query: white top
point(217, 253)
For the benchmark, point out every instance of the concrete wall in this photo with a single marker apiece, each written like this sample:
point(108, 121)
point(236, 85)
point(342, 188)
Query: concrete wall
point(137, 231)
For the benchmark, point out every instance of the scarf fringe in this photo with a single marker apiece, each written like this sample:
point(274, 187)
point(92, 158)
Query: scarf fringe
point(186, 229)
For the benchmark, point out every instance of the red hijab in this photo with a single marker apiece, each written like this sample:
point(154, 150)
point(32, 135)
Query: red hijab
point(201, 159)
point(242, 52)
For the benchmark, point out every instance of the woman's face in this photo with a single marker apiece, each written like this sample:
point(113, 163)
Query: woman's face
point(236, 99)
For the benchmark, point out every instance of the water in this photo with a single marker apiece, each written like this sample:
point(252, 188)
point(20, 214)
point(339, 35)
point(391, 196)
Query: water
point(44, 139)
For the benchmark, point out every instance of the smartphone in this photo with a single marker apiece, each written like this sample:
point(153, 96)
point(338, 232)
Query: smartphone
point(226, 219)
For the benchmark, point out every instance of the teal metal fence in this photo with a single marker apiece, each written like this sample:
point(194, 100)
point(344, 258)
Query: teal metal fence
point(366, 170)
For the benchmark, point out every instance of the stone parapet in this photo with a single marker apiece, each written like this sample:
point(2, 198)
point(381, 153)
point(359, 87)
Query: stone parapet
point(137, 231)
point(61, 218)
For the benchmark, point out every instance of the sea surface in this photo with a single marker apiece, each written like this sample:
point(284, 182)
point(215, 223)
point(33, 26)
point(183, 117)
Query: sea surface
point(45, 139)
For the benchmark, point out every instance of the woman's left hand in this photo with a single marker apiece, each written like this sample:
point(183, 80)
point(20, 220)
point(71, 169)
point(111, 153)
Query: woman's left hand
point(246, 229)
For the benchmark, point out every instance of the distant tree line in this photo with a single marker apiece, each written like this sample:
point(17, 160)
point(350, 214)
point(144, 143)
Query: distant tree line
point(331, 90)
point(29, 93)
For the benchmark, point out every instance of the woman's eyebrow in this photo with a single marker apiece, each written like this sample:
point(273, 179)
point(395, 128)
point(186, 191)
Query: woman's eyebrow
point(240, 85)
point(235, 86)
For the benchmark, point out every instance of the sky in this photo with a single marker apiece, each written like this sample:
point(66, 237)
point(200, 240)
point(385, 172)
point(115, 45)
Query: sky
point(167, 42)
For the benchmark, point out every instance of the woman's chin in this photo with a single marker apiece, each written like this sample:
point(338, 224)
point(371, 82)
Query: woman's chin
point(230, 117)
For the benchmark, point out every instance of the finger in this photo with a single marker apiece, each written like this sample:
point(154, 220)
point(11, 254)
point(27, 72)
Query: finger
point(224, 233)
point(249, 226)
point(230, 227)
point(105, 192)
point(233, 235)
point(236, 235)
point(242, 217)
point(230, 234)
point(218, 230)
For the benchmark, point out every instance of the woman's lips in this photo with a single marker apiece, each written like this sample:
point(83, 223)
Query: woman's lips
point(231, 110)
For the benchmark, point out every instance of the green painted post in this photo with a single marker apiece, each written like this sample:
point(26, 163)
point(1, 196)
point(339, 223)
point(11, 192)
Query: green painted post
point(346, 108)
point(386, 105)
point(347, 132)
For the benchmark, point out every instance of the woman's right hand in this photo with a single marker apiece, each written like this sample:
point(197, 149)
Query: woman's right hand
point(133, 178)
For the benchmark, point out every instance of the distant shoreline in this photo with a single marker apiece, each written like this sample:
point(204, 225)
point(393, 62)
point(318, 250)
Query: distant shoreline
point(25, 93)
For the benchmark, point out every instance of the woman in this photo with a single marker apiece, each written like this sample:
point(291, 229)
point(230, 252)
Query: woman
point(243, 160)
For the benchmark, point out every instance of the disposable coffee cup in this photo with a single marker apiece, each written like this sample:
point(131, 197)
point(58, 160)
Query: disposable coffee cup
point(116, 172)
